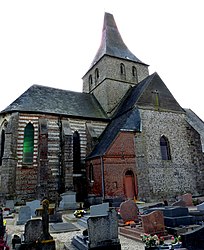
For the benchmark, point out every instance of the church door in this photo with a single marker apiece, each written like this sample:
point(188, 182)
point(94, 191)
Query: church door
point(130, 185)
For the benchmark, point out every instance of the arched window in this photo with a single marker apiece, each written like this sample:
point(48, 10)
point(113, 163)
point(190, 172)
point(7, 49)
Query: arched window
point(96, 74)
point(122, 69)
point(165, 148)
point(2, 145)
point(90, 82)
point(134, 72)
point(91, 173)
point(28, 143)
point(76, 152)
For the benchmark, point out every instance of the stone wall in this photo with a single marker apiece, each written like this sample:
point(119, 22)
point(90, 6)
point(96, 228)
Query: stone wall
point(110, 87)
point(42, 177)
point(9, 160)
point(159, 178)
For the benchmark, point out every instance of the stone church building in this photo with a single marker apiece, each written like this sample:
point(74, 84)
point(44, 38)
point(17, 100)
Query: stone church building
point(125, 136)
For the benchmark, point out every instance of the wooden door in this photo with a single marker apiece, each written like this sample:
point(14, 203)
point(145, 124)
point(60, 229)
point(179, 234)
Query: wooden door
point(130, 190)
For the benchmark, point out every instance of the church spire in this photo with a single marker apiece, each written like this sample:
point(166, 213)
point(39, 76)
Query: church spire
point(112, 43)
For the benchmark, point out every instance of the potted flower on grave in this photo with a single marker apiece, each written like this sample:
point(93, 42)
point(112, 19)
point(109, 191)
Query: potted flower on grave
point(176, 242)
point(161, 240)
point(151, 241)
point(79, 213)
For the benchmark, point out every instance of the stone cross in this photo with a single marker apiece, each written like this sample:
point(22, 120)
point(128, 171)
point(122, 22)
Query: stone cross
point(45, 221)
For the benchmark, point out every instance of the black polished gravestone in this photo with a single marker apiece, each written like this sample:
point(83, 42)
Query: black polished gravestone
point(193, 240)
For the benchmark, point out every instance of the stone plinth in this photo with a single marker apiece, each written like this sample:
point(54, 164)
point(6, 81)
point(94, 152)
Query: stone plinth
point(47, 245)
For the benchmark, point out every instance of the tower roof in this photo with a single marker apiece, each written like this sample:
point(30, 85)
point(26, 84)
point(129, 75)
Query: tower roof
point(112, 43)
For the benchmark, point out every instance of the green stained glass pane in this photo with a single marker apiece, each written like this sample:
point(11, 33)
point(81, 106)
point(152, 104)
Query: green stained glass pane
point(28, 144)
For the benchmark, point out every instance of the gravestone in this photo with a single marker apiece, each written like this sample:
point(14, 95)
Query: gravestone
point(46, 241)
point(171, 211)
point(187, 198)
point(33, 230)
point(36, 235)
point(198, 213)
point(193, 240)
point(99, 210)
point(129, 211)
point(102, 233)
point(68, 201)
point(3, 239)
point(95, 210)
point(33, 206)
point(184, 200)
point(200, 207)
point(2, 228)
point(56, 217)
point(10, 204)
point(175, 216)
point(24, 215)
point(7, 212)
point(9, 209)
point(45, 235)
point(179, 203)
point(153, 223)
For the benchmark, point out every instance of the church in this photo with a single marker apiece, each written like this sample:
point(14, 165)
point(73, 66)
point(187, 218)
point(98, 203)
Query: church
point(123, 137)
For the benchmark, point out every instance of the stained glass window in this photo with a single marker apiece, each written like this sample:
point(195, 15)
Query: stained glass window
point(28, 144)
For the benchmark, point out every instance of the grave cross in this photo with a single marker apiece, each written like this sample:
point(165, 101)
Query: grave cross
point(45, 221)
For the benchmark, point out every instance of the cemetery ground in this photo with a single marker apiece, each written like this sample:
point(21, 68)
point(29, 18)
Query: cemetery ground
point(62, 238)
point(103, 225)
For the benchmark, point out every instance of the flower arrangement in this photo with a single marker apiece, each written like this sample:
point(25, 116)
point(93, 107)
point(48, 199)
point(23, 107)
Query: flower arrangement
point(175, 239)
point(79, 213)
point(150, 240)
point(157, 242)
point(176, 242)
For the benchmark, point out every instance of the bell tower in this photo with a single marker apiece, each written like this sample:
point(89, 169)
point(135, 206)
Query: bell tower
point(114, 69)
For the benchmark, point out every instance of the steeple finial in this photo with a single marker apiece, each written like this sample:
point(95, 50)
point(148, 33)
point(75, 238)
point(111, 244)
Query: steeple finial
point(112, 43)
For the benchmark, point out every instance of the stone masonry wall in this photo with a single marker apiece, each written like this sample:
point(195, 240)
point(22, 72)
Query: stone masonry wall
point(110, 87)
point(197, 156)
point(23, 180)
point(159, 178)
point(9, 159)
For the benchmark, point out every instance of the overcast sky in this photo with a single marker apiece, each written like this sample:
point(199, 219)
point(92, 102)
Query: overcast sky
point(53, 43)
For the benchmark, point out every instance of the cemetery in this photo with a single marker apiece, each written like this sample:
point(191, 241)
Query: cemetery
point(177, 225)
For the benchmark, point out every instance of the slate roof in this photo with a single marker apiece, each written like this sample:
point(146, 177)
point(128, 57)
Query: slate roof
point(196, 123)
point(112, 43)
point(127, 116)
point(132, 96)
point(130, 121)
point(141, 96)
point(42, 99)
